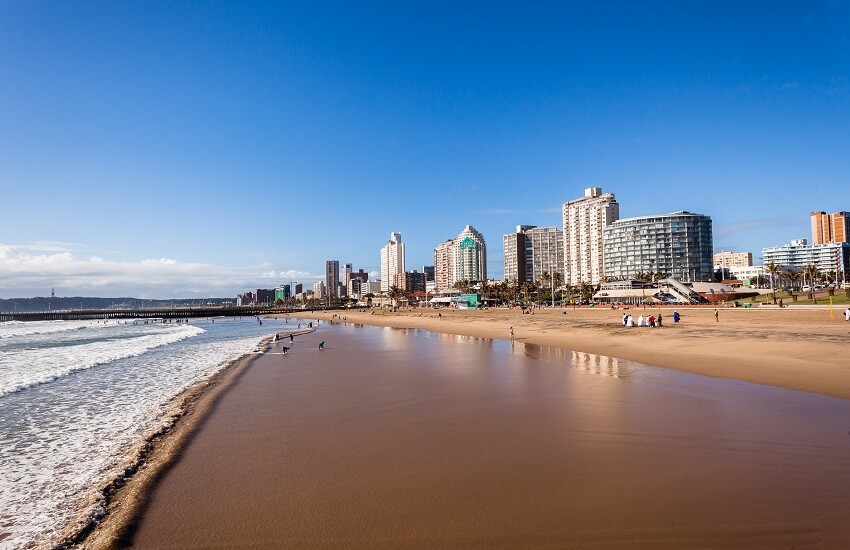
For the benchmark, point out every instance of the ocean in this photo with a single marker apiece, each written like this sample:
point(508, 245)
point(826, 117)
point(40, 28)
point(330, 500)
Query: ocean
point(78, 398)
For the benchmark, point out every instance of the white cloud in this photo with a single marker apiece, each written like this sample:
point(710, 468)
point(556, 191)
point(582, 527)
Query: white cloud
point(24, 271)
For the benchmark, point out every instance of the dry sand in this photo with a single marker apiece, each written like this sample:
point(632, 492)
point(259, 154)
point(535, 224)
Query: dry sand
point(794, 348)
point(392, 439)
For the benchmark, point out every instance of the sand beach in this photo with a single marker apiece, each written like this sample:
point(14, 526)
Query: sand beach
point(458, 438)
point(796, 348)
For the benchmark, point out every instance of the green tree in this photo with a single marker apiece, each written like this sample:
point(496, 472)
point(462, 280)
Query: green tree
point(812, 273)
point(463, 286)
point(395, 293)
point(557, 281)
point(773, 269)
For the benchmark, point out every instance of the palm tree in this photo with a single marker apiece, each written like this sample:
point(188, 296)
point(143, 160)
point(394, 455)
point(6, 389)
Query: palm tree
point(557, 281)
point(773, 269)
point(812, 272)
point(463, 286)
point(484, 287)
point(394, 294)
point(547, 279)
point(584, 290)
point(791, 275)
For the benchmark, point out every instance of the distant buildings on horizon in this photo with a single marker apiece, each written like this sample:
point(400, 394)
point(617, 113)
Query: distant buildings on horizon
point(594, 245)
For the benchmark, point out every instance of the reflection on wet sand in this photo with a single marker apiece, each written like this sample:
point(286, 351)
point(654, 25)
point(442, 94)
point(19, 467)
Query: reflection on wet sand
point(408, 439)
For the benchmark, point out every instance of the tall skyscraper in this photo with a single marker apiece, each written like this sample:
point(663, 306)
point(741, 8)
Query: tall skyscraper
point(444, 265)
point(463, 258)
point(392, 261)
point(518, 255)
point(532, 252)
point(677, 245)
point(332, 278)
point(346, 276)
point(584, 221)
point(830, 228)
point(470, 251)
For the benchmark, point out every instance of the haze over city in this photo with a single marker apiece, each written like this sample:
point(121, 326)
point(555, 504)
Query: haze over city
point(160, 150)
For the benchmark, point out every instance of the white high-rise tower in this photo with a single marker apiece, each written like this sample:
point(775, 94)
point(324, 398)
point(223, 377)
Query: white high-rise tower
point(584, 221)
point(392, 261)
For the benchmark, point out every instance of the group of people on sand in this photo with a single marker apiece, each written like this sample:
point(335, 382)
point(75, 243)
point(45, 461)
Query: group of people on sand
point(648, 321)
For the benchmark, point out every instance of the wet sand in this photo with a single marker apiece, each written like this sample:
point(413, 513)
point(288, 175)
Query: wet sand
point(794, 348)
point(405, 439)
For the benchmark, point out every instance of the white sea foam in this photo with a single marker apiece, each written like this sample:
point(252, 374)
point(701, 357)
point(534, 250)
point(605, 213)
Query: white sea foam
point(25, 367)
point(64, 434)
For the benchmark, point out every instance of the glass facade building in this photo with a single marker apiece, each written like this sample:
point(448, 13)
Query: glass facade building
point(678, 245)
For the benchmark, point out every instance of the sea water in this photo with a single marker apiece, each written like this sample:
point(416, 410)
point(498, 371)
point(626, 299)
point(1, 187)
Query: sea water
point(77, 398)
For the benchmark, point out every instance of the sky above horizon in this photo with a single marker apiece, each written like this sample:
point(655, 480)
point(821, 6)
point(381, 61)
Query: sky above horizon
point(193, 149)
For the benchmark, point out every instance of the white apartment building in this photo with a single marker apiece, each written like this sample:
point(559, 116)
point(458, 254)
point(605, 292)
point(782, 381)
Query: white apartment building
point(319, 290)
point(470, 251)
point(584, 222)
point(547, 252)
point(828, 257)
point(444, 265)
point(392, 261)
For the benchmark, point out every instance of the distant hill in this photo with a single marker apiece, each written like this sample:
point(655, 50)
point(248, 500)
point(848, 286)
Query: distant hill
point(80, 302)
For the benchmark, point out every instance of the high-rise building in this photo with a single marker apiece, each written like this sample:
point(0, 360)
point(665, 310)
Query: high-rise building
point(518, 262)
point(830, 228)
point(412, 281)
point(332, 278)
point(584, 222)
point(264, 296)
point(470, 256)
point(392, 261)
point(346, 275)
point(428, 270)
point(677, 245)
point(547, 252)
point(319, 290)
point(444, 265)
point(463, 258)
point(733, 259)
point(283, 292)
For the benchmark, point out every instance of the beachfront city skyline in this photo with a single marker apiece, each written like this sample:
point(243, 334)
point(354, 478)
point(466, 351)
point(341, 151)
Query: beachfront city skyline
point(162, 151)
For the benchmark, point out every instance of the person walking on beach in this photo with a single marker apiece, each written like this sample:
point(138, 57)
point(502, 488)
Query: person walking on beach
point(676, 317)
point(512, 333)
point(716, 315)
point(847, 314)
point(625, 318)
point(659, 319)
point(640, 320)
point(630, 322)
point(322, 344)
point(291, 338)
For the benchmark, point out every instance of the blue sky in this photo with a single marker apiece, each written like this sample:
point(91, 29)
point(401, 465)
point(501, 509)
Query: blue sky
point(163, 149)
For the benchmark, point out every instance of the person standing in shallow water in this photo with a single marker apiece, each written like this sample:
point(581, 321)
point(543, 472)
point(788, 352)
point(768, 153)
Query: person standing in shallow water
point(512, 333)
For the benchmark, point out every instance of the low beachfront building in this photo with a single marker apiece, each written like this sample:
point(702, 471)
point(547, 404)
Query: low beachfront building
point(827, 257)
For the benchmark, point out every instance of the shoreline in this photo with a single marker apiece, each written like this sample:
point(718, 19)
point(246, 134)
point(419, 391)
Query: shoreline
point(123, 497)
point(797, 349)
